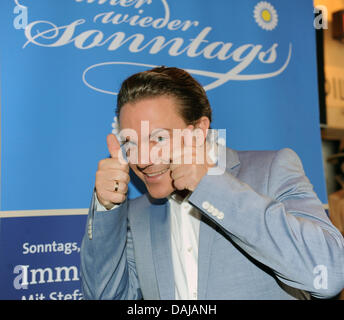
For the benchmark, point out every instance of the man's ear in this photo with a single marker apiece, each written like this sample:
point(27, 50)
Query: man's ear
point(203, 123)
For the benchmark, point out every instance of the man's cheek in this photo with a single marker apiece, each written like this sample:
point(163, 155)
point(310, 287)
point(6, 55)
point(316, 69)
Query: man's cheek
point(160, 153)
point(176, 147)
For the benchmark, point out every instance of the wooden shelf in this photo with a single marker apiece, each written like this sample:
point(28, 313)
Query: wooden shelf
point(333, 134)
point(328, 133)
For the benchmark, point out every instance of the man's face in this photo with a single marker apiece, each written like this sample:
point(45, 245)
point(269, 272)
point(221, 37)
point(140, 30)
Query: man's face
point(156, 113)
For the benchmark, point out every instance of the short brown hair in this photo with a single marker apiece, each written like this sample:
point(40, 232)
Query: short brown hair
point(193, 101)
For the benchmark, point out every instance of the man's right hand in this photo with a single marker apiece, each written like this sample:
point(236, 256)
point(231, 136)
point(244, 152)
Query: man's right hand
point(112, 176)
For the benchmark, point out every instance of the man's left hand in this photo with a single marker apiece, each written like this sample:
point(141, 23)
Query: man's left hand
point(189, 165)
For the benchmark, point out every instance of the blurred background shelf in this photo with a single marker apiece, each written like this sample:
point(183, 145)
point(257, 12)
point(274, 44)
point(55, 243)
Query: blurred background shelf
point(332, 134)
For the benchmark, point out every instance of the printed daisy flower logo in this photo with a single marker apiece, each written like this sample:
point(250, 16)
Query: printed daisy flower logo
point(115, 125)
point(265, 15)
point(115, 128)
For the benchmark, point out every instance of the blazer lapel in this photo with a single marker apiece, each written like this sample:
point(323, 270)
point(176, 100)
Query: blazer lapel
point(233, 162)
point(161, 246)
point(206, 238)
point(208, 230)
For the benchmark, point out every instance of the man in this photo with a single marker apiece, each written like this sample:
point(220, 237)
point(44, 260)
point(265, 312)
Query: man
point(256, 231)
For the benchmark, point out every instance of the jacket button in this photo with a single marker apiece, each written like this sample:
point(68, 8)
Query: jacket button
point(215, 212)
point(89, 231)
point(186, 206)
point(205, 205)
point(211, 209)
point(220, 215)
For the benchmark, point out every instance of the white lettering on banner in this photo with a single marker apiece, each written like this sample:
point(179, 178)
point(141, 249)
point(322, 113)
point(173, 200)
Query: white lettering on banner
point(66, 248)
point(29, 276)
point(238, 58)
point(75, 295)
point(20, 281)
point(122, 3)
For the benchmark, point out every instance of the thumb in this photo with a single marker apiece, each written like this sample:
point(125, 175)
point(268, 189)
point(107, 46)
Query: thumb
point(113, 145)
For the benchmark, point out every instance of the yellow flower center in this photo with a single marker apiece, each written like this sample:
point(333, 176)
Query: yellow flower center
point(266, 15)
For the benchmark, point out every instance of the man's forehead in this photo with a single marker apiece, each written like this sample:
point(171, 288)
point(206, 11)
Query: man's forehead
point(163, 107)
point(131, 133)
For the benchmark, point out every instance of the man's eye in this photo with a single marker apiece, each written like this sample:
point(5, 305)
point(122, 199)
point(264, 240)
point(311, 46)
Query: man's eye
point(159, 139)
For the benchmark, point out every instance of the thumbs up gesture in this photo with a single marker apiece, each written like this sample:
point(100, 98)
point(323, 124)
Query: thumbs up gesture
point(112, 176)
point(191, 162)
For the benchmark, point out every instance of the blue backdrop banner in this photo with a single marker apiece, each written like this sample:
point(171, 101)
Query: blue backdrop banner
point(61, 66)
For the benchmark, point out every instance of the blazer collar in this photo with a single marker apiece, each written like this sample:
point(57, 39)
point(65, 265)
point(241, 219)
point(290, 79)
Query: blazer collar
point(232, 158)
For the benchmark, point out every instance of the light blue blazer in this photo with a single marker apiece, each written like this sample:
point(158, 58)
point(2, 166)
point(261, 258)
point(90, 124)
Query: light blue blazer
point(274, 240)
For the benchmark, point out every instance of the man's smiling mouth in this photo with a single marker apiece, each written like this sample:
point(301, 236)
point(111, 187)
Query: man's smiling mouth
point(153, 174)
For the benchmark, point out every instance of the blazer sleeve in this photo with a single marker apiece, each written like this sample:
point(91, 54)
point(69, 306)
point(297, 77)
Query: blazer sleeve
point(107, 267)
point(285, 229)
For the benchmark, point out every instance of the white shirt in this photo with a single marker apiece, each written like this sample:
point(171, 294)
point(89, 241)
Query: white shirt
point(185, 222)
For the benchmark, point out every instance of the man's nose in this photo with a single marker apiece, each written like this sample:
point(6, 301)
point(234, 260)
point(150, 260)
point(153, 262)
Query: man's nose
point(149, 156)
point(144, 152)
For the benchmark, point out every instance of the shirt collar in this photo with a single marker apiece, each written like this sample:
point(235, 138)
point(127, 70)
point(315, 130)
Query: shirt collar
point(179, 197)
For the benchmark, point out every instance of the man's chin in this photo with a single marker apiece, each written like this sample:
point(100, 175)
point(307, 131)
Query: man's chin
point(159, 193)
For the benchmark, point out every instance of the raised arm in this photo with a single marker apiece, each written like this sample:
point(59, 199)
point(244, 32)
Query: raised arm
point(285, 229)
